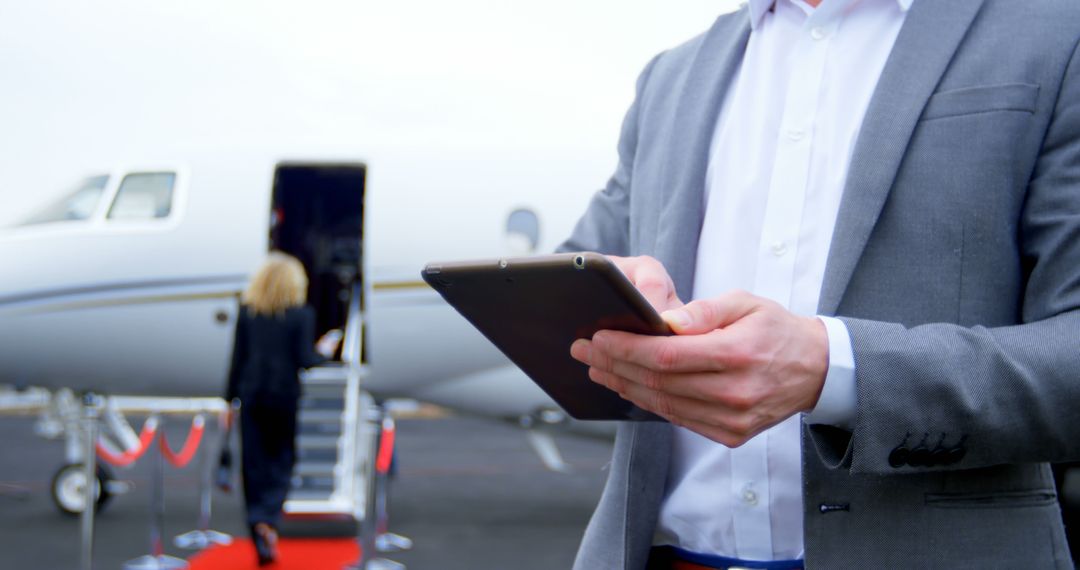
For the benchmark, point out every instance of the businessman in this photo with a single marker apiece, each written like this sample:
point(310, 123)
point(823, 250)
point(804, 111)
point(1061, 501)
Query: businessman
point(871, 209)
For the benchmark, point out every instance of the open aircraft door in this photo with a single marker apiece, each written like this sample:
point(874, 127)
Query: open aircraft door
point(317, 215)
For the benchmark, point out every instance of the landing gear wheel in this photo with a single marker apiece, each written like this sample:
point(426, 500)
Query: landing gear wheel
point(68, 487)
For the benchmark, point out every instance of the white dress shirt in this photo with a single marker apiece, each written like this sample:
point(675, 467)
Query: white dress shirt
point(776, 172)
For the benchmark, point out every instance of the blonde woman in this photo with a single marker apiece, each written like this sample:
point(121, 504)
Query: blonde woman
point(274, 339)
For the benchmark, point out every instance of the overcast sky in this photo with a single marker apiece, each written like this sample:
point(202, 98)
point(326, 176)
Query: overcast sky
point(88, 85)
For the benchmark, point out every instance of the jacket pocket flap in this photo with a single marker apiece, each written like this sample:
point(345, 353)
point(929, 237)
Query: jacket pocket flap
point(982, 99)
point(1003, 499)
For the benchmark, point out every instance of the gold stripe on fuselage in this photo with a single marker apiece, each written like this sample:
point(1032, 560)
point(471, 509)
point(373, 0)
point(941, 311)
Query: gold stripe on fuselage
point(399, 285)
point(152, 299)
point(122, 301)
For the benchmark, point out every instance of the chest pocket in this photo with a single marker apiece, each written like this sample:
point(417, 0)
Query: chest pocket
point(1017, 97)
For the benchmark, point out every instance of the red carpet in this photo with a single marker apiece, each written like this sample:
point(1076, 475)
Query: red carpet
point(294, 554)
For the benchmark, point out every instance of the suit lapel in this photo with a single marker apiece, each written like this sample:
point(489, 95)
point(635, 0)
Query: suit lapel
point(926, 44)
point(708, 78)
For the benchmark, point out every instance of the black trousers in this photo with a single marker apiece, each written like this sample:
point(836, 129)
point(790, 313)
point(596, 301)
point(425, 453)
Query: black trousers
point(268, 439)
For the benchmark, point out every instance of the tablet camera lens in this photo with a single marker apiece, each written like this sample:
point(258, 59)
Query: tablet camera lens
point(579, 262)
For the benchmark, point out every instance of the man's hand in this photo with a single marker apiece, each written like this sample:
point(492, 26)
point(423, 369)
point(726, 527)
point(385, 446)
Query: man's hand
point(650, 277)
point(738, 365)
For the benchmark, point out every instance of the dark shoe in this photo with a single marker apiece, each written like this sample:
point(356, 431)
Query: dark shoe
point(265, 538)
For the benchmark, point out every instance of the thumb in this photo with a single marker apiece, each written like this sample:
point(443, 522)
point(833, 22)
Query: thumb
point(706, 315)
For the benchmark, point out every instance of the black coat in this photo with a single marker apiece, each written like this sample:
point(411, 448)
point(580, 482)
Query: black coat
point(268, 353)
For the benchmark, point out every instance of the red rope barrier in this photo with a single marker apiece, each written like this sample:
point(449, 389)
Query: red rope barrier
point(194, 438)
point(127, 457)
point(386, 448)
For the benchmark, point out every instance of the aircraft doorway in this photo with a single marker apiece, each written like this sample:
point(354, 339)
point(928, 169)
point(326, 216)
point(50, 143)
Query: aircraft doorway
point(317, 215)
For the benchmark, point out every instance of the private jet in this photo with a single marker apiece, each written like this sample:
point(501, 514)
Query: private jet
point(130, 283)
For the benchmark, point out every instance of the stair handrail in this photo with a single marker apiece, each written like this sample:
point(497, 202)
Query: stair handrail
point(353, 340)
point(350, 415)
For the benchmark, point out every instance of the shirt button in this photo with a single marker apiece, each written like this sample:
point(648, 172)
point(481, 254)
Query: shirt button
point(749, 496)
point(819, 33)
point(795, 134)
point(778, 248)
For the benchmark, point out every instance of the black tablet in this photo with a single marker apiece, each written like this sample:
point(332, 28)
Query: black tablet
point(534, 308)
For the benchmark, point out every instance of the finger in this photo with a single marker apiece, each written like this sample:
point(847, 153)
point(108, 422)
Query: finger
point(584, 351)
point(704, 315)
point(650, 278)
point(692, 353)
point(679, 410)
point(729, 391)
point(658, 402)
point(655, 290)
point(579, 350)
point(705, 386)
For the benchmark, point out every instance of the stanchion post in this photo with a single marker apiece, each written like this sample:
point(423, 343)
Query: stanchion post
point(157, 498)
point(202, 537)
point(90, 410)
point(386, 541)
point(368, 528)
point(206, 499)
point(157, 560)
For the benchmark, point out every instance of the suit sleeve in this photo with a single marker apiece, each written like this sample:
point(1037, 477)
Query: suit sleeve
point(239, 356)
point(975, 397)
point(305, 340)
point(605, 225)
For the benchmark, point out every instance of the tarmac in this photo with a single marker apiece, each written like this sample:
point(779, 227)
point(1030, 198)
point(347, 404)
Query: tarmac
point(469, 492)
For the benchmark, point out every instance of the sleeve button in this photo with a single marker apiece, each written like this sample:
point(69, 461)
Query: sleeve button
point(956, 454)
point(919, 457)
point(899, 456)
point(939, 456)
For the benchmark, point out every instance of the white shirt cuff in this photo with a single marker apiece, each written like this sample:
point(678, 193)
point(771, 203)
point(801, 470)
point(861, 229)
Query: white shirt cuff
point(836, 406)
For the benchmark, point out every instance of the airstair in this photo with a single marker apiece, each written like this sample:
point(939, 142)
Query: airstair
point(334, 445)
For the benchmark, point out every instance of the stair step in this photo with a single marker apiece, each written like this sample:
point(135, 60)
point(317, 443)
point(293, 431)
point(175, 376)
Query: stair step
point(317, 455)
point(314, 469)
point(319, 429)
point(320, 415)
point(304, 441)
point(332, 517)
point(309, 495)
point(337, 376)
point(313, 482)
point(323, 385)
point(323, 403)
point(323, 392)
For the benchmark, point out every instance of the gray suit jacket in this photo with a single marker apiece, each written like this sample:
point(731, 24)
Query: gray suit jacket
point(955, 264)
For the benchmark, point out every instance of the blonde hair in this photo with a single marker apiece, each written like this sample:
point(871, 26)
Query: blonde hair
point(279, 284)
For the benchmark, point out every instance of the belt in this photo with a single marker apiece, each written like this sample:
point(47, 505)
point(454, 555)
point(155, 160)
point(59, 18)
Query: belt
point(674, 558)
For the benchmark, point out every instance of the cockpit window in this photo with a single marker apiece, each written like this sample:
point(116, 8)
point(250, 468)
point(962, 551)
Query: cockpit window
point(77, 205)
point(143, 196)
